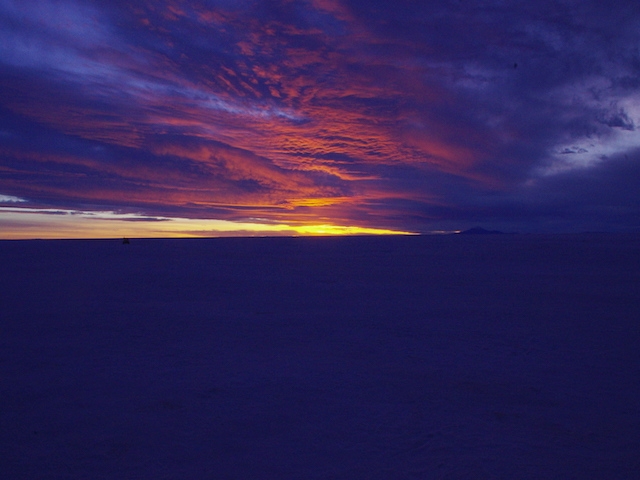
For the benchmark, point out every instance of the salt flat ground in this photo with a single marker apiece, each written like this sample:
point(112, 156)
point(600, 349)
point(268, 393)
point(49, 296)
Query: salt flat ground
point(497, 356)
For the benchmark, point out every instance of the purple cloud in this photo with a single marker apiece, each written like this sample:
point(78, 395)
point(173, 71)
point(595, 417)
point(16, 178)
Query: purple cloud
point(413, 116)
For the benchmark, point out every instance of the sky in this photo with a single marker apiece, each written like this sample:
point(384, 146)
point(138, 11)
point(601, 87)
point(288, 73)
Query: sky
point(295, 117)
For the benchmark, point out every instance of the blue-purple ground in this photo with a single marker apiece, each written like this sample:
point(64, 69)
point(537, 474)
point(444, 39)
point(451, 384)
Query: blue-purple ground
point(500, 356)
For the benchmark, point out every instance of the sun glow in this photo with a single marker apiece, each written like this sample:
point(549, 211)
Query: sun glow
point(344, 230)
point(23, 223)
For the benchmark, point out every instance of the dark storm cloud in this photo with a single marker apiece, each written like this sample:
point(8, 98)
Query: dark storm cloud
point(411, 115)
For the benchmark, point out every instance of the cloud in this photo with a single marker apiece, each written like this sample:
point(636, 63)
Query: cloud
point(411, 114)
point(618, 119)
point(11, 199)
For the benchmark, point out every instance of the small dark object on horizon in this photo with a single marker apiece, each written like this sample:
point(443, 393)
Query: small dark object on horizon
point(125, 241)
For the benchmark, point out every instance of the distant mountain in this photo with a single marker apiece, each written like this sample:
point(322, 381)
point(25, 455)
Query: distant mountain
point(480, 231)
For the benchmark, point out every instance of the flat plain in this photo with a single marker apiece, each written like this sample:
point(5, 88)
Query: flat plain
point(479, 356)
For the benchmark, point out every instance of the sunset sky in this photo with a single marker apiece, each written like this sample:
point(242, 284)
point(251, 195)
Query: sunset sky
point(238, 117)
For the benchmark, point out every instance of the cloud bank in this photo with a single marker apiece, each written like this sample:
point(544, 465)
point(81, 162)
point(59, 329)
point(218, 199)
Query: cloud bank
point(411, 116)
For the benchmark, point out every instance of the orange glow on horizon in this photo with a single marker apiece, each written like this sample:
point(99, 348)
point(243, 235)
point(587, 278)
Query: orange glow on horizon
point(45, 224)
point(345, 230)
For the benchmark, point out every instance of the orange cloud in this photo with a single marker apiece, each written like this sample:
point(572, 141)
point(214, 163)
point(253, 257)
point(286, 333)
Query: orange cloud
point(282, 117)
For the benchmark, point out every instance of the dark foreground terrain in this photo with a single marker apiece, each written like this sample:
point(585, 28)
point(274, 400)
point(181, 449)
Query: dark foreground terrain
point(492, 356)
